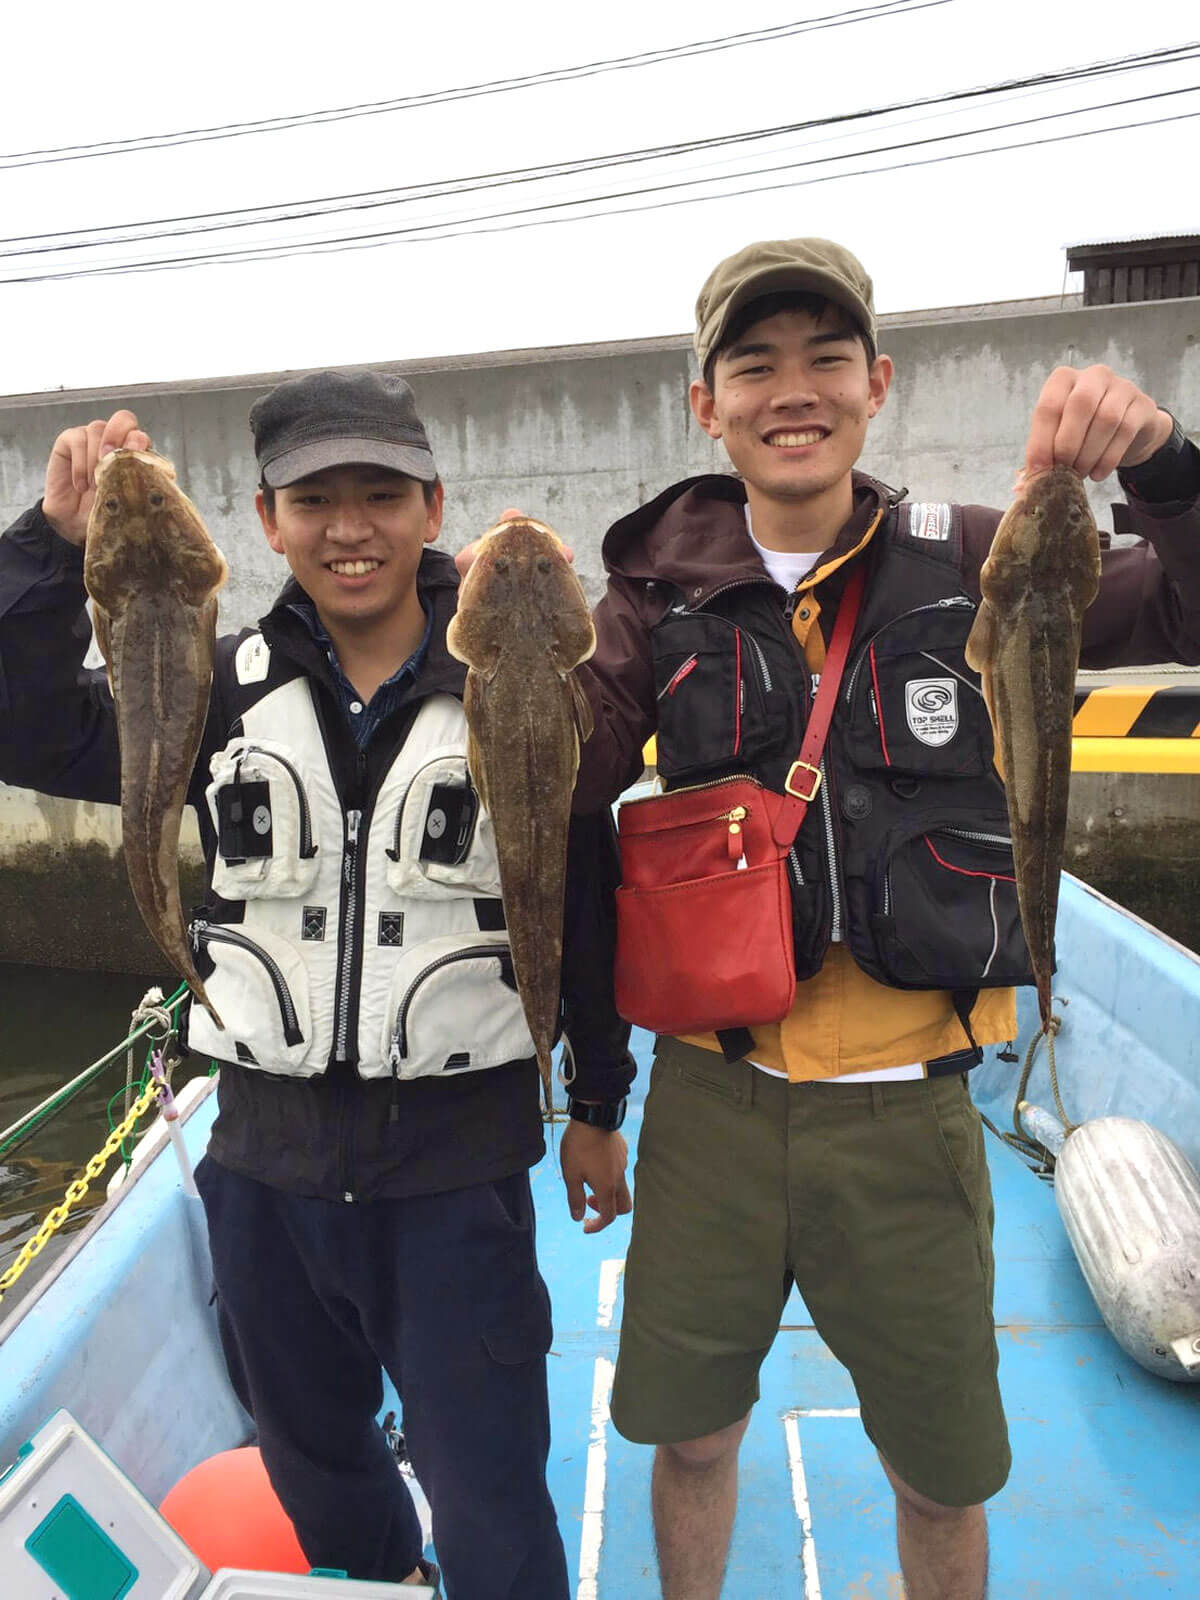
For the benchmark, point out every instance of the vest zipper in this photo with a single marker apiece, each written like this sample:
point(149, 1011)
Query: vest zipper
point(399, 1047)
point(994, 841)
point(307, 848)
point(206, 933)
point(349, 934)
point(393, 852)
point(949, 602)
point(835, 890)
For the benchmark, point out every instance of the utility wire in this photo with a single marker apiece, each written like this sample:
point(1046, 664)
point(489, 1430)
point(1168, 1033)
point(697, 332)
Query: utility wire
point(368, 200)
point(645, 58)
point(448, 230)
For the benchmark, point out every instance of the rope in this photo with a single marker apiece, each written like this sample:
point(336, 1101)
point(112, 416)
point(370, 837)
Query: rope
point(28, 1123)
point(1020, 1141)
point(150, 1008)
point(1048, 1031)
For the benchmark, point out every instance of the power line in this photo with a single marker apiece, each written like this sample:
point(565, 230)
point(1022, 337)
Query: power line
point(221, 221)
point(425, 233)
point(646, 58)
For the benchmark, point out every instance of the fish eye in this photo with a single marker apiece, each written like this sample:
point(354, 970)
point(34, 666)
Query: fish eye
point(112, 503)
point(157, 499)
point(501, 563)
point(543, 563)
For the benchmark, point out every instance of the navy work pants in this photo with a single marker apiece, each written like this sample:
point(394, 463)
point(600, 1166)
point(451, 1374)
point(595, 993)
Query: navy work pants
point(444, 1292)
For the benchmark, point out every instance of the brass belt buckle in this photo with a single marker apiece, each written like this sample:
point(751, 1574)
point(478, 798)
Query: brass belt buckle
point(789, 781)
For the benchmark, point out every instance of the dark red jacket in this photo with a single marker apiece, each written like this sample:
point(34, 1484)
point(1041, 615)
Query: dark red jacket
point(692, 540)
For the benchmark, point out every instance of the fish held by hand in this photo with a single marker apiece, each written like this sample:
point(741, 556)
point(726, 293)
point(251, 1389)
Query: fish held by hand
point(1041, 574)
point(522, 626)
point(153, 573)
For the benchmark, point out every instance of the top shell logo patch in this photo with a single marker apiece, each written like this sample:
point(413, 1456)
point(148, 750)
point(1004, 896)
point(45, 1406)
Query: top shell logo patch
point(931, 706)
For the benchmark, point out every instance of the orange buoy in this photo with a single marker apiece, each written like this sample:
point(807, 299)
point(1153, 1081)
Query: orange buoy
point(226, 1511)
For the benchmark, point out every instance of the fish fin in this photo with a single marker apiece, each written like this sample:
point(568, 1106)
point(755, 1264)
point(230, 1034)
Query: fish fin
point(475, 764)
point(453, 643)
point(104, 639)
point(980, 651)
point(581, 706)
point(981, 641)
point(468, 639)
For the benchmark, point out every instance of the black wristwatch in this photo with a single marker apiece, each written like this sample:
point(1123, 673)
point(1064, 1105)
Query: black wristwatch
point(606, 1114)
point(1169, 474)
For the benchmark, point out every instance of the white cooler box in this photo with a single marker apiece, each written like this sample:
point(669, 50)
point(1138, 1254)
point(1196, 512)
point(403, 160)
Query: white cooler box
point(73, 1527)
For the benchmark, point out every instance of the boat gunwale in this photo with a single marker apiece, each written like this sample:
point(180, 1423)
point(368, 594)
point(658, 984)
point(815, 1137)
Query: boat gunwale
point(99, 1218)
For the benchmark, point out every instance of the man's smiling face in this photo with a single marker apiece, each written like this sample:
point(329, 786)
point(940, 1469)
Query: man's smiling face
point(353, 537)
point(790, 400)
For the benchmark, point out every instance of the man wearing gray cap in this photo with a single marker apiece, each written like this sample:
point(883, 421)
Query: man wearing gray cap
point(830, 1142)
point(366, 1183)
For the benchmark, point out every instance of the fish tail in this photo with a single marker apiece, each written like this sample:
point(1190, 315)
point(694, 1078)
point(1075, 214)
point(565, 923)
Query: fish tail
point(1043, 994)
point(544, 1067)
point(197, 989)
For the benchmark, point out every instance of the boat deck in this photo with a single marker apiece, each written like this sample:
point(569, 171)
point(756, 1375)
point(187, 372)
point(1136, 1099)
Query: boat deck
point(1102, 1500)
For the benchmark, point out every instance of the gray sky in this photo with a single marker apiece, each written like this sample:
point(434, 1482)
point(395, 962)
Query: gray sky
point(987, 228)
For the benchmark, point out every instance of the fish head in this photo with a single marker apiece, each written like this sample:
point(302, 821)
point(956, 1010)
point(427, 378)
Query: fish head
point(521, 593)
point(145, 535)
point(1046, 542)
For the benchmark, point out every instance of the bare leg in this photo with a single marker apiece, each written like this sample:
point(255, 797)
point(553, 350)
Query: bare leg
point(694, 1495)
point(943, 1549)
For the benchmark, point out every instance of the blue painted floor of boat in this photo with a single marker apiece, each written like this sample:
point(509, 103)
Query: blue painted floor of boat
point(1104, 1497)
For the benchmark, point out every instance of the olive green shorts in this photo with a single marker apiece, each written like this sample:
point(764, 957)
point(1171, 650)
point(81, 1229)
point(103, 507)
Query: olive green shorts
point(875, 1200)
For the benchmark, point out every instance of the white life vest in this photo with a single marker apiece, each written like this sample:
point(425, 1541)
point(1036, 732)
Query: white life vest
point(414, 908)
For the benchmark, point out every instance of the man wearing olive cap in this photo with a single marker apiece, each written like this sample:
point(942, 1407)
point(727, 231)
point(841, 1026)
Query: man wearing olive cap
point(836, 1148)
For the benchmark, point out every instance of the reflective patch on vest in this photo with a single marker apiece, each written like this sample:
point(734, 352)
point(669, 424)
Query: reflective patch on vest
point(391, 928)
point(253, 659)
point(931, 706)
point(929, 521)
point(312, 925)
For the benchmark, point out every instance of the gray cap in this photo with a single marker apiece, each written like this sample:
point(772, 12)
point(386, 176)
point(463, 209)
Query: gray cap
point(814, 266)
point(336, 419)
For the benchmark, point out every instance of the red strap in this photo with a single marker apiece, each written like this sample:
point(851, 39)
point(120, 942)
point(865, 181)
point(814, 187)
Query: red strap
point(804, 779)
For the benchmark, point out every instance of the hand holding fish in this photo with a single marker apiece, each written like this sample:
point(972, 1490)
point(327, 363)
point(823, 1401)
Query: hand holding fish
point(1093, 422)
point(71, 470)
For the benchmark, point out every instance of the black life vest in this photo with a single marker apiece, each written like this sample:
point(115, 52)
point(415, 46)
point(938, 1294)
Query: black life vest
point(905, 852)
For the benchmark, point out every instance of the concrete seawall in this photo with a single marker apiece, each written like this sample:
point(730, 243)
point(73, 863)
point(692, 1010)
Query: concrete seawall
point(579, 436)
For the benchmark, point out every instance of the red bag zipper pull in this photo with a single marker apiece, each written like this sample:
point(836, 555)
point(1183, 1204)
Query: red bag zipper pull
point(737, 847)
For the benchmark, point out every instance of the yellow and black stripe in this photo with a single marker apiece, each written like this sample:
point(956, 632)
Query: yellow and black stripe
point(1137, 728)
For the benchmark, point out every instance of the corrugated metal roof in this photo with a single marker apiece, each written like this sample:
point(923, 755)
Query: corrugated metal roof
point(1146, 239)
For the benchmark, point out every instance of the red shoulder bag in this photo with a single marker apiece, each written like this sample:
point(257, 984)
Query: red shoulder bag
point(704, 911)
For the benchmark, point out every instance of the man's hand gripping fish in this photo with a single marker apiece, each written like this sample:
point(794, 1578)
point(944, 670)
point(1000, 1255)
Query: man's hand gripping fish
point(153, 572)
point(1041, 575)
point(522, 625)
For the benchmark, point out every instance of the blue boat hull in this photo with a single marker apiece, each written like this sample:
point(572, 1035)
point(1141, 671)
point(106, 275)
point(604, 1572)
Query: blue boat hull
point(1102, 1499)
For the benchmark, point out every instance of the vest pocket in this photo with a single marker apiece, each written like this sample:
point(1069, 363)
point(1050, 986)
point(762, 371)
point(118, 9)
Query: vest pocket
point(946, 913)
point(913, 705)
point(453, 1007)
point(259, 987)
point(442, 840)
point(711, 680)
point(265, 824)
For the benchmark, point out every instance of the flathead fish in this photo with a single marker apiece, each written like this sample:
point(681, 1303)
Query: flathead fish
point(152, 572)
point(522, 626)
point(1040, 576)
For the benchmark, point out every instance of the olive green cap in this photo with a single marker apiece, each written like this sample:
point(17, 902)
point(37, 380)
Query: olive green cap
point(772, 266)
